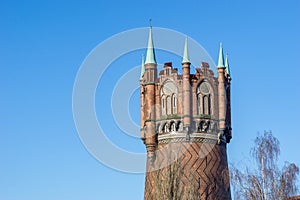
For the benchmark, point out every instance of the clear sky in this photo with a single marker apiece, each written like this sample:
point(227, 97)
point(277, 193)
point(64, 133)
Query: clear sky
point(43, 44)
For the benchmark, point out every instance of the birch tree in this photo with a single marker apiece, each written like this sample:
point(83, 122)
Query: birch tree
point(265, 181)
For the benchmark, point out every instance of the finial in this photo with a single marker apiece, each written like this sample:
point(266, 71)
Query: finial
point(227, 68)
point(150, 22)
point(186, 57)
point(150, 56)
point(226, 60)
point(221, 57)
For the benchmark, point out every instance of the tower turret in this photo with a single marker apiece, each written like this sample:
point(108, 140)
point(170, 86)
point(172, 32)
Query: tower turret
point(221, 90)
point(142, 101)
point(228, 133)
point(186, 87)
point(149, 78)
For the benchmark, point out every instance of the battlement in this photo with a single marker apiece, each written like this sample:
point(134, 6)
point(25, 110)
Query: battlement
point(169, 102)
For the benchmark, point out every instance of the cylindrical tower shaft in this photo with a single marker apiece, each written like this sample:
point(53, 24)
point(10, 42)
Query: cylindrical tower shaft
point(221, 99)
point(150, 140)
point(186, 87)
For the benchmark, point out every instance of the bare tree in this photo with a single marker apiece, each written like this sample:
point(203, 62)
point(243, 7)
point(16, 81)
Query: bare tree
point(167, 180)
point(169, 183)
point(265, 181)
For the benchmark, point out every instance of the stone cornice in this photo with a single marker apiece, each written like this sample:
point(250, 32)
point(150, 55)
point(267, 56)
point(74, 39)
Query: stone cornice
point(174, 137)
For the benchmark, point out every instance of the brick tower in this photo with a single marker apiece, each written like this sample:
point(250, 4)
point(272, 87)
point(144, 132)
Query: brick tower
point(185, 125)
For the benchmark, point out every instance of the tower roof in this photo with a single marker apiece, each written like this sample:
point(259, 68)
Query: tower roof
point(142, 67)
point(221, 57)
point(150, 56)
point(186, 57)
point(227, 68)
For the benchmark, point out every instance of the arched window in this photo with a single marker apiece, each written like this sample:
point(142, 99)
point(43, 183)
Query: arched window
point(168, 72)
point(168, 105)
point(209, 105)
point(204, 93)
point(163, 105)
point(206, 105)
point(168, 94)
point(199, 104)
point(174, 103)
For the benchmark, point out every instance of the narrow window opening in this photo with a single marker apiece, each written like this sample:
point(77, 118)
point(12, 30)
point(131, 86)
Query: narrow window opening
point(168, 105)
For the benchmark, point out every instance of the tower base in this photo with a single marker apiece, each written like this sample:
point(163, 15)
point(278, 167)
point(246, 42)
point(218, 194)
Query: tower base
point(188, 170)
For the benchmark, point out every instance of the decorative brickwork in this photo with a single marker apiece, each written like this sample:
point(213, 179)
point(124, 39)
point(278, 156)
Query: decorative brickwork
point(208, 175)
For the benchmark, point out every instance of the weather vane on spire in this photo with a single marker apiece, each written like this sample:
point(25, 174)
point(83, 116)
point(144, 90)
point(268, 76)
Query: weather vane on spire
point(150, 21)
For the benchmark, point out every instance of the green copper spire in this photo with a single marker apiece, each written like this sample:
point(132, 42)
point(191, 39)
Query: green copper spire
point(221, 57)
point(227, 68)
point(186, 57)
point(150, 56)
point(142, 68)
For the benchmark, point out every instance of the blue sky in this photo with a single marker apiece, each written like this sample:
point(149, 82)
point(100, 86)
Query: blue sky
point(43, 44)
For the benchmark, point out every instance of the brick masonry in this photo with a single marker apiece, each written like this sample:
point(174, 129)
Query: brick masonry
point(186, 120)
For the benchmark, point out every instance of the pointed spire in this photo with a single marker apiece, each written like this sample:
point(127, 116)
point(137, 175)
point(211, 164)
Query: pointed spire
point(186, 57)
point(150, 56)
point(142, 67)
point(221, 57)
point(227, 68)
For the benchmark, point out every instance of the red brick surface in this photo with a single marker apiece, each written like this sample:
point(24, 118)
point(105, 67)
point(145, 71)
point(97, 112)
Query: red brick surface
point(209, 174)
